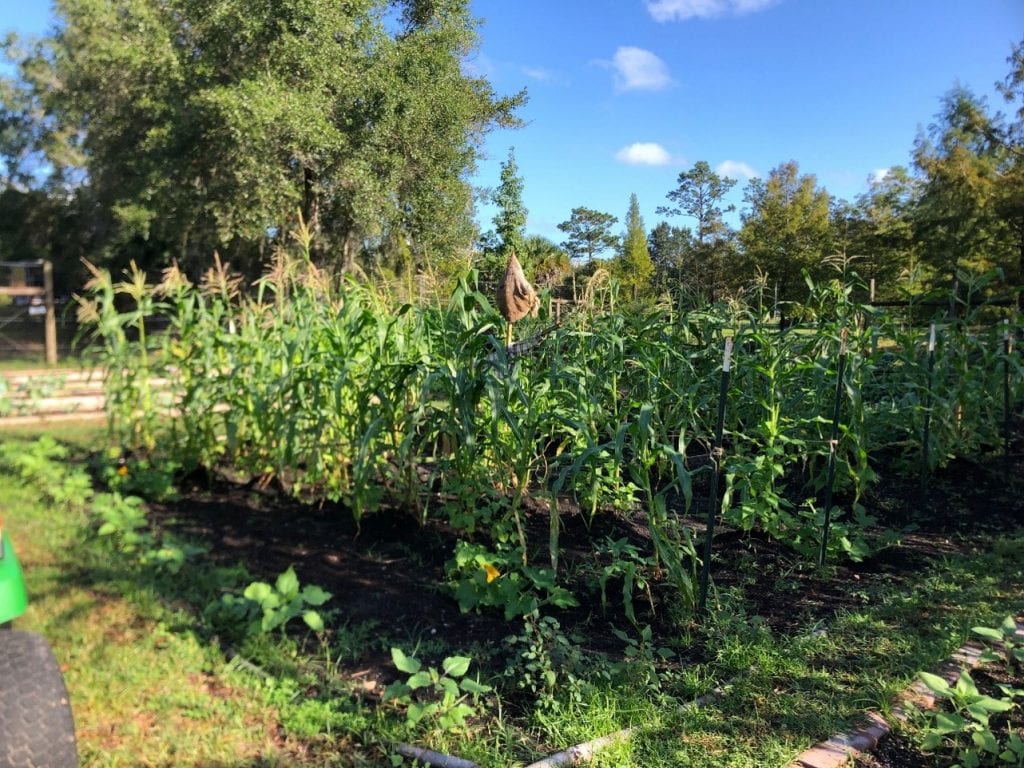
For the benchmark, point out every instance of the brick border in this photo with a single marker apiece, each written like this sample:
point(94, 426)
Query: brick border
point(841, 748)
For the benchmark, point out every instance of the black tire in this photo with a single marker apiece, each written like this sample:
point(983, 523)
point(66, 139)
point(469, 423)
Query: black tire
point(36, 729)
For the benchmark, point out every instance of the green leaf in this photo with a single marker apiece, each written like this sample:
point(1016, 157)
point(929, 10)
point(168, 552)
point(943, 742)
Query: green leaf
point(965, 687)
point(990, 704)
point(314, 595)
point(404, 663)
point(288, 583)
point(947, 723)
point(313, 621)
point(415, 713)
point(419, 680)
point(258, 591)
point(458, 714)
point(451, 689)
point(397, 690)
point(936, 684)
point(456, 666)
point(988, 633)
point(469, 685)
point(980, 714)
point(986, 741)
point(932, 740)
point(1016, 743)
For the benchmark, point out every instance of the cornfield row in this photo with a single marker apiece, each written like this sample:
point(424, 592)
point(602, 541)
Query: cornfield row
point(343, 396)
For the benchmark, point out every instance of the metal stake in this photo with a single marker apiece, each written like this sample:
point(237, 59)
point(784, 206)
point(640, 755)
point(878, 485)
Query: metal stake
point(925, 468)
point(716, 455)
point(833, 444)
point(1006, 387)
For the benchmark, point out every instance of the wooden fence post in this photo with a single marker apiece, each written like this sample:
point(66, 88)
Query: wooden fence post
point(51, 314)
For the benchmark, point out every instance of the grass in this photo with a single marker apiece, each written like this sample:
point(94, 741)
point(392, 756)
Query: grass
point(146, 690)
point(34, 363)
point(82, 435)
point(798, 690)
point(151, 684)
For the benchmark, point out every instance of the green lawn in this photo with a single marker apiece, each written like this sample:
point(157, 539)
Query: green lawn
point(145, 690)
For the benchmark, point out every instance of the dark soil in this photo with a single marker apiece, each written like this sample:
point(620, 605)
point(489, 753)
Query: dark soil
point(390, 571)
point(895, 750)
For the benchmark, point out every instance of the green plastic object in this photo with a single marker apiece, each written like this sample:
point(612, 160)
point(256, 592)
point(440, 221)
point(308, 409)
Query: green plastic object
point(13, 598)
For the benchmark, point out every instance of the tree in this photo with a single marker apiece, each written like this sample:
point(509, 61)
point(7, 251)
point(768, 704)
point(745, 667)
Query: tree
point(198, 125)
point(634, 265)
point(671, 249)
point(884, 239)
point(699, 194)
point(1010, 185)
point(550, 265)
point(589, 233)
point(786, 230)
point(956, 219)
point(510, 220)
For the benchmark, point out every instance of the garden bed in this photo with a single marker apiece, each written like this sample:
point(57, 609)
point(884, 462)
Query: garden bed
point(388, 575)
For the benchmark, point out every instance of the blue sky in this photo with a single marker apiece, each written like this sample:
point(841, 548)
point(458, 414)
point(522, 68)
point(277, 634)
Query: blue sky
point(625, 94)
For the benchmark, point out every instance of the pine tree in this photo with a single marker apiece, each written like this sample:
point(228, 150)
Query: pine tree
point(510, 220)
point(635, 266)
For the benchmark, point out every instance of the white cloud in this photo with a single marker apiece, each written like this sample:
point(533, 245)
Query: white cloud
point(734, 169)
point(878, 175)
point(537, 73)
point(639, 70)
point(644, 153)
point(479, 66)
point(681, 10)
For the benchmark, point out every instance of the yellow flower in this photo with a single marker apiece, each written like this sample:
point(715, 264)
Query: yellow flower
point(122, 471)
point(492, 572)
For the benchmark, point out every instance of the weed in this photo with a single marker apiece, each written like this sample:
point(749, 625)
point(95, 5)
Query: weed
point(444, 697)
point(263, 607)
point(966, 731)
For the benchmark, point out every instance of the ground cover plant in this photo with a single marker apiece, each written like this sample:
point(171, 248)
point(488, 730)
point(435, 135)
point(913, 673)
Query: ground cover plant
point(391, 478)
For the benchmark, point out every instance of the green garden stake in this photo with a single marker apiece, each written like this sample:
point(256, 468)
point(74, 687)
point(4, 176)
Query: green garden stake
point(833, 444)
point(926, 438)
point(1006, 387)
point(716, 455)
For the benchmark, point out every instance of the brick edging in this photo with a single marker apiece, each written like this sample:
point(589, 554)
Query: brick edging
point(841, 748)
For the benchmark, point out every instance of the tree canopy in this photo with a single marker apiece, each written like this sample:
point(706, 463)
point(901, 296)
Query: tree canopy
point(787, 227)
point(189, 125)
point(589, 233)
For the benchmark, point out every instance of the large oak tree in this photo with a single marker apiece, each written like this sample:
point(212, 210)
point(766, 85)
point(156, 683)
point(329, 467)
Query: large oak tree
point(201, 124)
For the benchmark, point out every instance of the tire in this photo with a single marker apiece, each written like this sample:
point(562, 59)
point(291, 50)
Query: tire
point(36, 729)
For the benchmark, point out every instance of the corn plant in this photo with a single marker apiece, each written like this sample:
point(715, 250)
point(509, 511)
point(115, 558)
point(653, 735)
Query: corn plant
point(330, 389)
